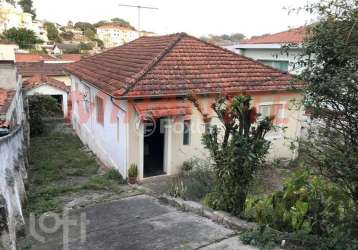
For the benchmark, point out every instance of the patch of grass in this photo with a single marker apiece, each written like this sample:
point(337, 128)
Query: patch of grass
point(54, 157)
point(115, 176)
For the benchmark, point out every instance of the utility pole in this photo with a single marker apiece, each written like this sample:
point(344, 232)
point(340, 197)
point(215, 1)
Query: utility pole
point(139, 9)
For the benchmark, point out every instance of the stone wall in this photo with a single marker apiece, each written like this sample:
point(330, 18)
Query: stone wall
point(13, 178)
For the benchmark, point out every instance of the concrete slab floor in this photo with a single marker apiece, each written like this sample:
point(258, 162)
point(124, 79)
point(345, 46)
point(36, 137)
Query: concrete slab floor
point(139, 222)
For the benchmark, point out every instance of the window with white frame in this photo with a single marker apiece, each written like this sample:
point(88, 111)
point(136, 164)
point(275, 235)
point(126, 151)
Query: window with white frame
point(273, 110)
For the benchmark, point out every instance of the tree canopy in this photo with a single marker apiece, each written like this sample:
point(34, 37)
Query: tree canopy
point(25, 38)
point(52, 32)
point(330, 70)
point(84, 26)
point(224, 39)
point(27, 6)
point(121, 21)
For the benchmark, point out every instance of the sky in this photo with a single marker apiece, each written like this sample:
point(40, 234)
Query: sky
point(196, 17)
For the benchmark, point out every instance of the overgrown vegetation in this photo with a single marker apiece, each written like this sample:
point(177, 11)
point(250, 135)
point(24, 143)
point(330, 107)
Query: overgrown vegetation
point(41, 107)
point(60, 165)
point(317, 209)
point(308, 207)
point(194, 182)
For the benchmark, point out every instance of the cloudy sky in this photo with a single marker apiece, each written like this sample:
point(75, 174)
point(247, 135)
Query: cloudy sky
point(197, 17)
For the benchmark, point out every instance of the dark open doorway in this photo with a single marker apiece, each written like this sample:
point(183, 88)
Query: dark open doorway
point(153, 148)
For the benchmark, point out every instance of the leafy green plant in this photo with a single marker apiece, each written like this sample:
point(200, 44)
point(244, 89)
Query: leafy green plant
point(309, 205)
point(237, 151)
point(133, 171)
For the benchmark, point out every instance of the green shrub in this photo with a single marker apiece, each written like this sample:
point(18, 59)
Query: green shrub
point(238, 149)
point(133, 170)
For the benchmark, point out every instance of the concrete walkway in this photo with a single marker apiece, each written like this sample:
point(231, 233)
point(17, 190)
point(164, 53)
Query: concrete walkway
point(140, 222)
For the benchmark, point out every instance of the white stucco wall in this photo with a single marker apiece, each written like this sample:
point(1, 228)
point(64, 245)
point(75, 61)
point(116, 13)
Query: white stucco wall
point(12, 176)
point(273, 54)
point(13, 160)
point(103, 140)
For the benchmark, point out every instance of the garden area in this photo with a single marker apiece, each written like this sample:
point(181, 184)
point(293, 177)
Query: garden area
point(313, 202)
point(63, 172)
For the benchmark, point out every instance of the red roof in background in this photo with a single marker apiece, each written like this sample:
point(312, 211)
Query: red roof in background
point(27, 69)
point(39, 80)
point(7, 42)
point(176, 64)
point(290, 36)
point(23, 57)
point(71, 57)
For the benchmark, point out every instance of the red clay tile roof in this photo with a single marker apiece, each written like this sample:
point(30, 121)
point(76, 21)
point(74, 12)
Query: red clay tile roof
point(22, 57)
point(71, 57)
point(27, 69)
point(295, 36)
point(39, 80)
point(7, 42)
point(160, 108)
point(6, 97)
point(176, 64)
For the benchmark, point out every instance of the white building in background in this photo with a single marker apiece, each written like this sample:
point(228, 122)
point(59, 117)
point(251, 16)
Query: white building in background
point(270, 49)
point(14, 17)
point(115, 34)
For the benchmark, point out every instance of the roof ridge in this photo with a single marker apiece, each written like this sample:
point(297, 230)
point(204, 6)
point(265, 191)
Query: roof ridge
point(132, 82)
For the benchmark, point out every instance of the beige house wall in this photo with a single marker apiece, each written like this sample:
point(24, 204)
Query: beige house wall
point(176, 153)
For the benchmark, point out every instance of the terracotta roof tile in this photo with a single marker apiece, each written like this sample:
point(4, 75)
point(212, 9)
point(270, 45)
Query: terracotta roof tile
point(22, 57)
point(27, 69)
point(163, 107)
point(174, 65)
point(295, 36)
point(39, 80)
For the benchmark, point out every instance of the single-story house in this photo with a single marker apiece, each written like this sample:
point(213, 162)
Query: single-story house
point(131, 106)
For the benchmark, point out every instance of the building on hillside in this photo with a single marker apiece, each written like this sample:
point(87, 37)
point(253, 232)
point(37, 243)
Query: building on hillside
point(115, 34)
point(130, 103)
point(13, 147)
point(12, 16)
point(272, 49)
point(45, 75)
point(40, 30)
